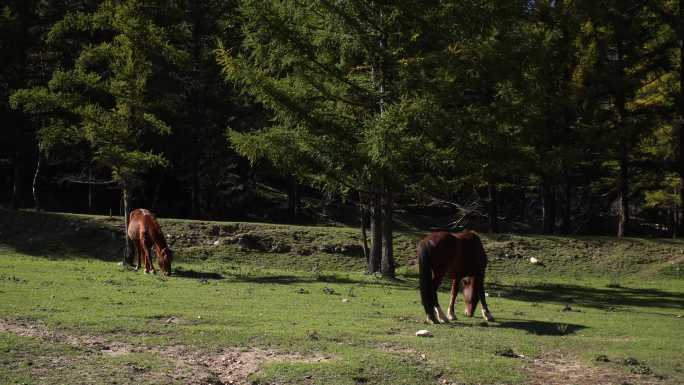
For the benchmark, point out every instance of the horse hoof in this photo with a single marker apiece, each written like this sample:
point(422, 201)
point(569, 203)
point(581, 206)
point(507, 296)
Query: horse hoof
point(440, 315)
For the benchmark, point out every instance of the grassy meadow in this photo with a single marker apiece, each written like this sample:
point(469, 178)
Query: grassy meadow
point(292, 302)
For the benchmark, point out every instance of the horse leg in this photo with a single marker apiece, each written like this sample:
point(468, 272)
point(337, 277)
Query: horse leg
point(432, 318)
point(485, 309)
point(437, 280)
point(148, 258)
point(451, 315)
point(139, 254)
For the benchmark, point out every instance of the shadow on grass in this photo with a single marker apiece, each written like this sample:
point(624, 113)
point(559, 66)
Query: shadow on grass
point(596, 297)
point(540, 328)
point(62, 236)
point(291, 279)
point(192, 274)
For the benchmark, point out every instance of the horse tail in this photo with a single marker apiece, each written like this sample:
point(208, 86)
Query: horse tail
point(425, 278)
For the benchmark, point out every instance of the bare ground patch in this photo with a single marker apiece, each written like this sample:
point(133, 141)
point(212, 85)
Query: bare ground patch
point(394, 348)
point(556, 368)
point(193, 366)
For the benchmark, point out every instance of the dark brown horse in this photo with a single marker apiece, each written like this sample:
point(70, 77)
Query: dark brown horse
point(461, 257)
point(145, 232)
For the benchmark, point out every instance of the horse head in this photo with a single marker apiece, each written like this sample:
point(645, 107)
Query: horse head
point(165, 259)
point(470, 295)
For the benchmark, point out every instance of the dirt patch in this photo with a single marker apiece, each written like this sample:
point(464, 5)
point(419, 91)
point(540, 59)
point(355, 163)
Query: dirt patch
point(35, 330)
point(229, 365)
point(556, 368)
point(392, 348)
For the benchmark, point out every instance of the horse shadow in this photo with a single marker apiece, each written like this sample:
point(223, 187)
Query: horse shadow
point(540, 328)
point(608, 298)
point(192, 274)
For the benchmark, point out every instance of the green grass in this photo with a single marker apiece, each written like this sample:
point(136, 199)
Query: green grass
point(624, 296)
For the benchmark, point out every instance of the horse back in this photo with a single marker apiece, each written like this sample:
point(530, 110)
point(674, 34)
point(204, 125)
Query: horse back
point(142, 223)
point(472, 246)
point(459, 254)
point(134, 224)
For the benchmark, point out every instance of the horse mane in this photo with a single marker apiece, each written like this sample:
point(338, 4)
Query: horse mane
point(157, 235)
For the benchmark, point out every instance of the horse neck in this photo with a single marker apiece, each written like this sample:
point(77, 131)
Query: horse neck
point(158, 238)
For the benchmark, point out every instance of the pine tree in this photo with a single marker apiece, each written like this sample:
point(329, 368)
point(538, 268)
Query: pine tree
point(670, 14)
point(631, 51)
point(26, 61)
point(106, 92)
point(347, 83)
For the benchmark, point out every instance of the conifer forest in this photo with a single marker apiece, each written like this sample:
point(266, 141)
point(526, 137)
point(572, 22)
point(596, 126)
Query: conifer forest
point(549, 117)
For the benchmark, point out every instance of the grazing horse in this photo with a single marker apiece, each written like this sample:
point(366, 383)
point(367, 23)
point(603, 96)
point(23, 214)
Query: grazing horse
point(461, 257)
point(145, 232)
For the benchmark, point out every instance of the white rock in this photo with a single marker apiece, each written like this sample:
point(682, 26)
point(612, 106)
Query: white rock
point(345, 300)
point(534, 260)
point(423, 333)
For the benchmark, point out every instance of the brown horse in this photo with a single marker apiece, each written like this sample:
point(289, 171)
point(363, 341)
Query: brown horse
point(145, 232)
point(461, 257)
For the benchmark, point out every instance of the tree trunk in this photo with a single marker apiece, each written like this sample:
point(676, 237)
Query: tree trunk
point(549, 208)
point(623, 198)
point(197, 109)
point(566, 203)
point(157, 191)
point(523, 206)
point(365, 222)
point(90, 190)
point(195, 200)
point(16, 183)
point(493, 208)
point(34, 186)
point(293, 198)
point(674, 216)
point(376, 231)
point(681, 114)
point(672, 213)
point(387, 266)
point(623, 136)
point(128, 251)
